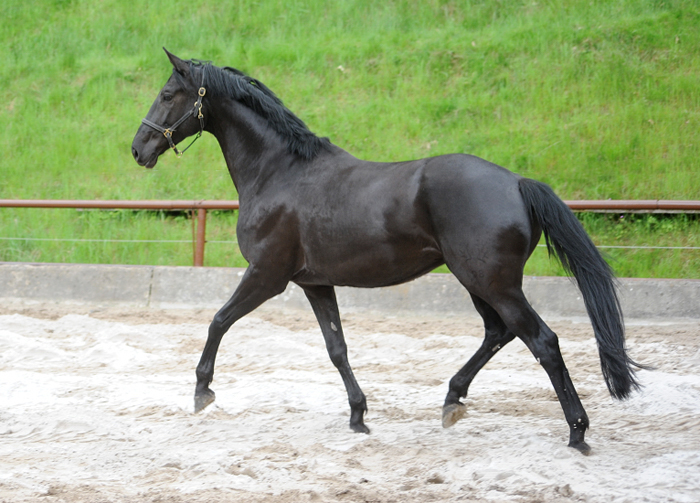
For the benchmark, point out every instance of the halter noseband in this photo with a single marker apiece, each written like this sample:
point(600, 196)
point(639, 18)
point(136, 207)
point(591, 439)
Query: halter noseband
point(196, 112)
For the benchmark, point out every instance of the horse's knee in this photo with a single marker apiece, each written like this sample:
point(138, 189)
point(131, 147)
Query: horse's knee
point(338, 354)
point(218, 324)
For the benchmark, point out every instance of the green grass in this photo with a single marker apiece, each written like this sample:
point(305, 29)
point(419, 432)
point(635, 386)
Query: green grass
point(599, 99)
point(98, 236)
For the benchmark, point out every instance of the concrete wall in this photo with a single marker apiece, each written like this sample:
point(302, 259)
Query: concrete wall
point(205, 287)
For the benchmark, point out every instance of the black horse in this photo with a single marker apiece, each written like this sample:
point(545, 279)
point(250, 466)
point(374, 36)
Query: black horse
point(313, 214)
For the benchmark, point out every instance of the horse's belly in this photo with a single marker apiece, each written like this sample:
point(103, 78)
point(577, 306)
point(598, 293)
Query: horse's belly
point(372, 266)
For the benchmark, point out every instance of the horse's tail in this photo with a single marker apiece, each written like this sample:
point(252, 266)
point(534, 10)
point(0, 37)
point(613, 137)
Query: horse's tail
point(566, 237)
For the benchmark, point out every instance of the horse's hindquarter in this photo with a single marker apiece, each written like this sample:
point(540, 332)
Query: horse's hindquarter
point(473, 194)
point(480, 220)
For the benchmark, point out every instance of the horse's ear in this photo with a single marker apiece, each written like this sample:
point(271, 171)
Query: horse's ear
point(182, 67)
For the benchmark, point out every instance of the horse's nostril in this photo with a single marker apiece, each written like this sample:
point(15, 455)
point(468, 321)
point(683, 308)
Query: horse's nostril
point(135, 153)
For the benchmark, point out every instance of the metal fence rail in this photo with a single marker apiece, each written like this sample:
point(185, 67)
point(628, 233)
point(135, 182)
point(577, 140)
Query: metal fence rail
point(199, 223)
point(635, 206)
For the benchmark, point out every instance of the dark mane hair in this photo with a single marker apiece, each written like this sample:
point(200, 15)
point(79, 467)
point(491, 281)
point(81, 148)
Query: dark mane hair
point(235, 84)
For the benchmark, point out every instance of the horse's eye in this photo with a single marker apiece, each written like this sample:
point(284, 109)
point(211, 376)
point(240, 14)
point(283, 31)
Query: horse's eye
point(167, 97)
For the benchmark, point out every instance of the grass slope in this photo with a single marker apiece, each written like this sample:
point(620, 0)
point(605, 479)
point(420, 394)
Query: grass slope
point(599, 99)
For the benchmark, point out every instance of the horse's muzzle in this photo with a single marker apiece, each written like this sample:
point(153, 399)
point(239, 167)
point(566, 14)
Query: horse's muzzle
point(146, 161)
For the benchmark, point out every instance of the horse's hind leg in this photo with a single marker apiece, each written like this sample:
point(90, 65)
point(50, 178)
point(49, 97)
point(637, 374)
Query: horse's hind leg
point(325, 306)
point(545, 347)
point(522, 320)
point(497, 336)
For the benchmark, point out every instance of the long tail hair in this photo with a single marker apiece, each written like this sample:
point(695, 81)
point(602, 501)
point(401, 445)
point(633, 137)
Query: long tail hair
point(567, 239)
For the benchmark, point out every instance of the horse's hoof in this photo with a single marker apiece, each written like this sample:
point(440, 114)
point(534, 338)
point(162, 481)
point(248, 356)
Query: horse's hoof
point(359, 428)
point(452, 413)
point(202, 399)
point(357, 420)
point(581, 446)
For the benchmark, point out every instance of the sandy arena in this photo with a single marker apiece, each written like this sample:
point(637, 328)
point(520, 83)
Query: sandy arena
point(96, 406)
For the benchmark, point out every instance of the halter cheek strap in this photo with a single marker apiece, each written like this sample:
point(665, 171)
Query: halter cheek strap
point(195, 112)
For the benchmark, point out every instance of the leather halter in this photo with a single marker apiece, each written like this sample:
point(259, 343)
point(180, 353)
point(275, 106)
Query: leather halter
point(195, 112)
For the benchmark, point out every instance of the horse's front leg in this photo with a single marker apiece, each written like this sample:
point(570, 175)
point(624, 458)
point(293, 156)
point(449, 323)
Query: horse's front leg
point(325, 306)
point(255, 288)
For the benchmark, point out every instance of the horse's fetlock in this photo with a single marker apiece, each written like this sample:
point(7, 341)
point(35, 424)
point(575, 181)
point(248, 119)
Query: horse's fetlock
point(358, 403)
point(457, 389)
point(204, 378)
point(580, 425)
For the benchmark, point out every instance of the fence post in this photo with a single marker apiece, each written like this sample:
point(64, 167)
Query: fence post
point(200, 237)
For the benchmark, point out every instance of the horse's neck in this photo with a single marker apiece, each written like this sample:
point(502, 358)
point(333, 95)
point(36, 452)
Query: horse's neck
point(252, 150)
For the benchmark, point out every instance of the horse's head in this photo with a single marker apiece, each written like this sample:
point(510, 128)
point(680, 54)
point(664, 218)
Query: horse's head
point(172, 117)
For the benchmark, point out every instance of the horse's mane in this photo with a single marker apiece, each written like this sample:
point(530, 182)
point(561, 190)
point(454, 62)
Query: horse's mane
point(235, 84)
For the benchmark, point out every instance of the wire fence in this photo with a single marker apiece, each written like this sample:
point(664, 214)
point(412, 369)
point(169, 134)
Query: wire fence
point(74, 240)
point(201, 206)
point(235, 242)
